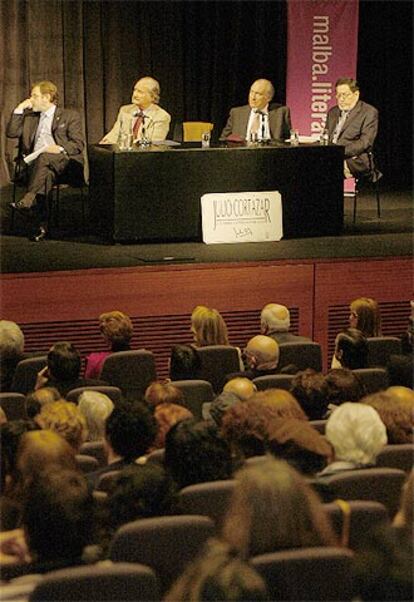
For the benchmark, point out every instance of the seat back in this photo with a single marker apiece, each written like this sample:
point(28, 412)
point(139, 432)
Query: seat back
point(302, 355)
point(114, 393)
point(130, 371)
point(195, 394)
point(273, 381)
point(373, 379)
point(364, 515)
point(376, 484)
point(95, 449)
point(25, 376)
point(98, 583)
point(320, 573)
point(399, 456)
point(166, 544)
point(319, 425)
point(86, 463)
point(207, 499)
point(193, 130)
point(380, 349)
point(216, 362)
point(13, 405)
point(158, 456)
point(107, 480)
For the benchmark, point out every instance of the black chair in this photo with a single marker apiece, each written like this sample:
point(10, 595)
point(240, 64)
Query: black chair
point(319, 425)
point(25, 376)
point(157, 456)
point(130, 371)
point(380, 349)
point(98, 583)
point(301, 355)
point(399, 456)
point(373, 178)
point(320, 573)
point(13, 405)
point(207, 499)
point(363, 516)
point(114, 393)
point(195, 394)
point(166, 544)
point(373, 379)
point(274, 381)
point(217, 361)
point(86, 463)
point(95, 449)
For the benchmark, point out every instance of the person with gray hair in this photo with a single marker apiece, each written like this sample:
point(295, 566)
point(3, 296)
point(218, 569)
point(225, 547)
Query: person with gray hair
point(357, 435)
point(143, 117)
point(275, 323)
point(11, 352)
point(95, 407)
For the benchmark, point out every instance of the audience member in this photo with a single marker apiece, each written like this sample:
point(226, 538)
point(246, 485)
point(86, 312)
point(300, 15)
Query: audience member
point(185, 363)
point(219, 406)
point(401, 366)
point(11, 352)
point(383, 568)
point(273, 508)
point(351, 350)
point(195, 453)
point(58, 524)
point(218, 574)
point(261, 356)
point(117, 329)
point(165, 399)
point(63, 369)
point(161, 393)
point(311, 391)
point(240, 386)
point(129, 433)
point(143, 117)
point(343, 385)
point(95, 408)
point(395, 407)
point(65, 419)
point(299, 444)
point(275, 323)
point(208, 327)
point(244, 122)
point(357, 435)
point(37, 399)
point(365, 316)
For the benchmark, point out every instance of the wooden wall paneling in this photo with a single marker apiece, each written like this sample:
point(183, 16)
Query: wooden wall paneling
point(337, 284)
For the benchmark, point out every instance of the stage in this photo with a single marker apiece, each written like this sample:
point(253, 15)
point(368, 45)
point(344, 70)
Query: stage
point(56, 289)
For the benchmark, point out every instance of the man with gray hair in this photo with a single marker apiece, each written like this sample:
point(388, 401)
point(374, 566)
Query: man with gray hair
point(275, 323)
point(11, 352)
point(143, 117)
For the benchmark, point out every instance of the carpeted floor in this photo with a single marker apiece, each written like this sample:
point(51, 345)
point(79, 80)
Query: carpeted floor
point(71, 248)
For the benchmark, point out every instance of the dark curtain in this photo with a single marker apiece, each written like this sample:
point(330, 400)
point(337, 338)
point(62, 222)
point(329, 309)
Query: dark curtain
point(205, 55)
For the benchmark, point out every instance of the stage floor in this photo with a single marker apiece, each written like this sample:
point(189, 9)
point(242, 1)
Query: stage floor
point(72, 249)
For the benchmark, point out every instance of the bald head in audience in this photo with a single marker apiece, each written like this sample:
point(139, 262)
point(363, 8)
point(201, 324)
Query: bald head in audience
point(262, 353)
point(240, 386)
point(274, 318)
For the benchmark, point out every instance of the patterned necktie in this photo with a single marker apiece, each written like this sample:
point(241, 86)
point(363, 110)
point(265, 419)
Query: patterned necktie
point(138, 122)
point(339, 126)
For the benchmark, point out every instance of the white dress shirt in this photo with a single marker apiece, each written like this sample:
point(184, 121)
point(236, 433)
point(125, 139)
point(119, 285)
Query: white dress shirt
point(262, 133)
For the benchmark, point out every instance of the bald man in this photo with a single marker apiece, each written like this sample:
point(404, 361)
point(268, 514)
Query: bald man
point(259, 118)
point(240, 386)
point(275, 323)
point(143, 116)
point(261, 358)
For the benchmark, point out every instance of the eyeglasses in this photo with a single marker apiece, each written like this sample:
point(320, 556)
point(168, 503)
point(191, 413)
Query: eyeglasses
point(345, 95)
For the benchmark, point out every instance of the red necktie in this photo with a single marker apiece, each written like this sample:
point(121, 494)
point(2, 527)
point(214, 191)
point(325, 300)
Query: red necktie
point(138, 122)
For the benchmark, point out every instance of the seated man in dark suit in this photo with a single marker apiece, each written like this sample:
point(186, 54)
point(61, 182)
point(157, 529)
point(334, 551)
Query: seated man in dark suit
point(275, 323)
point(56, 134)
point(354, 125)
point(258, 120)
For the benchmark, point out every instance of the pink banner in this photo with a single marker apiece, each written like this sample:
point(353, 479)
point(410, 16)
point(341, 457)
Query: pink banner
point(322, 46)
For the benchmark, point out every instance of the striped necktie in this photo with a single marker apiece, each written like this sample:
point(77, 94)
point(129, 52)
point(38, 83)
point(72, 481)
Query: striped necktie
point(339, 126)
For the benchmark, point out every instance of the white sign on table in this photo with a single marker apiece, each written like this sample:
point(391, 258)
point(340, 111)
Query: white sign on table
point(234, 217)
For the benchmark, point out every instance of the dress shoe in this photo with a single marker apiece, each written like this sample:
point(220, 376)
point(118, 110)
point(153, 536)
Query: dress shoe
point(40, 235)
point(25, 202)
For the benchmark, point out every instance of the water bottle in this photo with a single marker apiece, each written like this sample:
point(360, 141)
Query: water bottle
point(294, 138)
point(324, 139)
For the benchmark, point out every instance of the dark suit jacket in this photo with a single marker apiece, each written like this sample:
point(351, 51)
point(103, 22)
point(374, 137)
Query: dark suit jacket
point(357, 135)
point(287, 337)
point(66, 130)
point(279, 122)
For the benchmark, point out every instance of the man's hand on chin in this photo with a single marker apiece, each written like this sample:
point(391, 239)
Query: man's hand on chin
point(54, 149)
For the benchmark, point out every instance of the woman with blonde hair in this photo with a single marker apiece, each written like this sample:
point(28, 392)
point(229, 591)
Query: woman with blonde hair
point(208, 327)
point(365, 316)
point(117, 330)
point(273, 508)
point(65, 419)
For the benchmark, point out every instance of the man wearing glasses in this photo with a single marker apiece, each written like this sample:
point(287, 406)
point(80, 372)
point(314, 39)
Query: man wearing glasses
point(353, 124)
